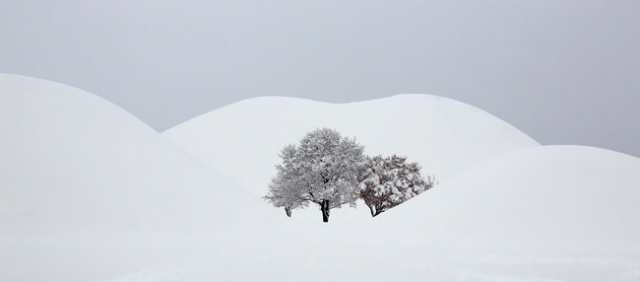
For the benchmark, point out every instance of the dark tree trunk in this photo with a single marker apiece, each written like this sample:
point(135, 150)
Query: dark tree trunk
point(288, 211)
point(379, 210)
point(324, 207)
point(373, 211)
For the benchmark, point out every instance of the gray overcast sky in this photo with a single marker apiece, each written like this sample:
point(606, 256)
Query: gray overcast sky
point(565, 72)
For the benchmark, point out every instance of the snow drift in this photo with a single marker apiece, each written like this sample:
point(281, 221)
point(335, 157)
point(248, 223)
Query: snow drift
point(443, 135)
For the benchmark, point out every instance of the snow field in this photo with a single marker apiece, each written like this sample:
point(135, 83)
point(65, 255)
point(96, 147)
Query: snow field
point(90, 193)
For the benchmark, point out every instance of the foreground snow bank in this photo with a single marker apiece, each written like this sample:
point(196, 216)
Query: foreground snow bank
point(549, 199)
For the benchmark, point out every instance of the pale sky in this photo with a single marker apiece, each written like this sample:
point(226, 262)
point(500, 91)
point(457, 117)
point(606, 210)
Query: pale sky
point(564, 72)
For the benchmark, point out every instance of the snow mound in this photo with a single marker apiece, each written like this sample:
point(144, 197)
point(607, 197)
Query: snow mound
point(443, 135)
point(551, 198)
point(71, 162)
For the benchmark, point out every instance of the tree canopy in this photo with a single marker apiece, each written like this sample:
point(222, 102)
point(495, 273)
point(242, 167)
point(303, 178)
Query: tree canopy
point(386, 182)
point(330, 170)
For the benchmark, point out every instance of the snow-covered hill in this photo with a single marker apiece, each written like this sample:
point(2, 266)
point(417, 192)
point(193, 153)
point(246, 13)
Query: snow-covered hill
point(443, 135)
point(507, 209)
point(547, 199)
point(72, 162)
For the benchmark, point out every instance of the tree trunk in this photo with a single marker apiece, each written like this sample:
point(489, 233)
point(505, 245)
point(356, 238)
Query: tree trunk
point(379, 210)
point(324, 207)
point(373, 211)
point(288, 211)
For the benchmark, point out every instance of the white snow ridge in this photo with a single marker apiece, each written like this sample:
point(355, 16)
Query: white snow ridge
point(443, 135)
point(90, 193)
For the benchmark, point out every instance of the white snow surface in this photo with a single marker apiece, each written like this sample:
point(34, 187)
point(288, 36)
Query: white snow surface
point(570, 199)
point(89, 193)
point(443, 135)
point(71, 162)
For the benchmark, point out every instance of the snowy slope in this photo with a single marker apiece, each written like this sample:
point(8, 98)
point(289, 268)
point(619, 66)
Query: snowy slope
point(443, 135)
point(549, 199)
point(72, 162)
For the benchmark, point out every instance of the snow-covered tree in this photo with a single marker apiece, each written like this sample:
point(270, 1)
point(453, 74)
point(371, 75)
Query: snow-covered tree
point(323, 169)
point(387, 182)
point(284, 189)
